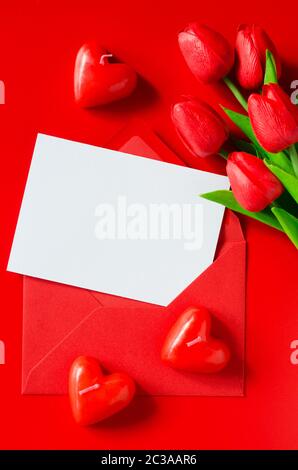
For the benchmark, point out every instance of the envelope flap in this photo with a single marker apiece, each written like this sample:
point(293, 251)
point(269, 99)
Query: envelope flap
point(230, 233)
point(220, 276)
point(137, 138)
point(108, 300)
point(51, 311)
point(231, 229)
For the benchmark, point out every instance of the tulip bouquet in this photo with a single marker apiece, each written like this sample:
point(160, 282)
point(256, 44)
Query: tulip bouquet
point(263, 169)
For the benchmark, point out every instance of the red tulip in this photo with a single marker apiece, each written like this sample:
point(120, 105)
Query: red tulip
point(274, 118)
point(253, 185)
point(251, 45)
point(201, 129)
point(206, 52)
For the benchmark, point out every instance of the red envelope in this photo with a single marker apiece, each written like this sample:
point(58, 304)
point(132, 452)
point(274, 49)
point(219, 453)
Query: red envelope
point(62, 322)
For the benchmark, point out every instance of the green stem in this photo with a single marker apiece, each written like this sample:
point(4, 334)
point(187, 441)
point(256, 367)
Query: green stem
point(294, 158)
point(237, 93)
point(224, 154)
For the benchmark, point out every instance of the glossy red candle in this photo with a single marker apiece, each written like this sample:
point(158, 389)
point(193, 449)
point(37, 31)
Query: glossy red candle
point(98, 79)
point(190, 347)
point(95, 396)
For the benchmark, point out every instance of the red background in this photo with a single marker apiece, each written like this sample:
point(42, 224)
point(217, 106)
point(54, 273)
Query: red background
point(38, 43)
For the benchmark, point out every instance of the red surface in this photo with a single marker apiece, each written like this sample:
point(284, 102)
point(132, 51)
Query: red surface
point(38, 43)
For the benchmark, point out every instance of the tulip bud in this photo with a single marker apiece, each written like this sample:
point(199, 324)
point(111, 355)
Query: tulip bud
point(206, 52)
point(253, 185)
point(200, 128)
point(274, 118)
point(251, 45)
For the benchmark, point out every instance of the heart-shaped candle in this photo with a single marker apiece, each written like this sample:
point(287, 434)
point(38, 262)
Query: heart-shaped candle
point(95, 396)
point(99, 81)
point(190, 347)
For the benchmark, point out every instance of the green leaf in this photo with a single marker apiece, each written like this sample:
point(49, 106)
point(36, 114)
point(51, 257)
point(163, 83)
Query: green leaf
point(288, 222)
point(282, 161)
point(270, 69)
point(289, 181)
point(227, 199)
point(259, 154)
point(286, 201)
point(293, 154)
point(236, 92)
point(243, 122)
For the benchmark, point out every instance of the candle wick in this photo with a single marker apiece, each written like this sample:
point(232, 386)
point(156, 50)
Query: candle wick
point(103, 58)
point(194, 341)
point(89, 389)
